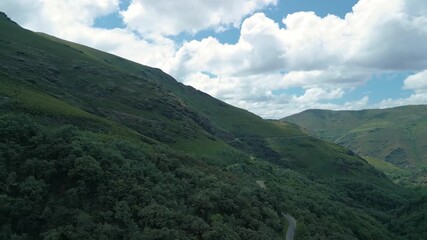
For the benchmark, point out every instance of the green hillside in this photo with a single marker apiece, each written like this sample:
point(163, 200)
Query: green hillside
point(396, 136)
point(93, 146)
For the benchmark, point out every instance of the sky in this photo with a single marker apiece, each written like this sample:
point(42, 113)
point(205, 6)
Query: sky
point(272, 57)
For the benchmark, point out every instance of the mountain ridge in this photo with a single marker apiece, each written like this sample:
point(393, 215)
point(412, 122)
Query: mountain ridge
point(394, 135)
point(95, 146)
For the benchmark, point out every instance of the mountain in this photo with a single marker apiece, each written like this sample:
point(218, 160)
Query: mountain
point(393, 140)
point(93, 146)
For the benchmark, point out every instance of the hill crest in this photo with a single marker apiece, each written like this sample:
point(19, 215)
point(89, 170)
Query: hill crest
point(95, 146)
point(394, 135)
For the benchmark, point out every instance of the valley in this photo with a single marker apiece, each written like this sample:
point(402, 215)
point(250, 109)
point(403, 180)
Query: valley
point(93, 146)
point(393, 140)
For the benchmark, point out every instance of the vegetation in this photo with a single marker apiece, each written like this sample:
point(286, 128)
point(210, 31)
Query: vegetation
point(66, 184)
point(96, 147)
point(394, 136)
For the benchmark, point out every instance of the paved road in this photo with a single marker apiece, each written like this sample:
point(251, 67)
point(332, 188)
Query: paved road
point(286, 137)
point(291, 227)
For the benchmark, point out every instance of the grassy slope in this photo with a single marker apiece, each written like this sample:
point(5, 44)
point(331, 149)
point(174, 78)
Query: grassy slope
point(136, 96)
point(67, 81)
point(394, 135)
point(154, 105)
point(229, 123)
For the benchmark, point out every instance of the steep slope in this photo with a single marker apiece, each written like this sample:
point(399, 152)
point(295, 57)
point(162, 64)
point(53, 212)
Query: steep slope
point(396, 136)
point(95, 146)
point(142, 98)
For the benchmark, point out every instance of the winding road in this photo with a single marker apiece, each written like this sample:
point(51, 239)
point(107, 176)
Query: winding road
point(292, 224)
point(268, 138)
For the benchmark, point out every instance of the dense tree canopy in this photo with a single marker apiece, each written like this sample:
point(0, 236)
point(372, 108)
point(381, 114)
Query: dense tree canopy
point(62, 183)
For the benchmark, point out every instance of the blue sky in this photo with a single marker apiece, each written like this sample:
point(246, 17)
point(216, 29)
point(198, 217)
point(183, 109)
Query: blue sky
point(283, 7)
point(272, 57)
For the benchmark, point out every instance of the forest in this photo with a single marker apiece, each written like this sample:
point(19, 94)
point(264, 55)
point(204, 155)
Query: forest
point(93, 146)
point(64, 183)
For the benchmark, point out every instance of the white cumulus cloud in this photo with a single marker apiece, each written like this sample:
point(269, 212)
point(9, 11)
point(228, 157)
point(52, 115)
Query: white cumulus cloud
point(417, 82)
point(173, 17)
point(311, 52)
point(325, 57)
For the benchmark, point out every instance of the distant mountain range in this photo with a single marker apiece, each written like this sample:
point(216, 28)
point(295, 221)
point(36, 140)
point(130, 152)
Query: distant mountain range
point(93, 146)
point(394, 140)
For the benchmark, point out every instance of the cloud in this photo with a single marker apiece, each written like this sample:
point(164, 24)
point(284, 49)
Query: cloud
point(257, 51)
point(73, 20)
point(389, 35)
point(317, 54)
point(173, 17)
point(53, 16)
point(414, 99)
point(22, 11)
point(138, 49)
point(285, 105)
point(326, 57)
point(378, 35)
point(345, 77)
point(417, 82)
point(316, 94)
